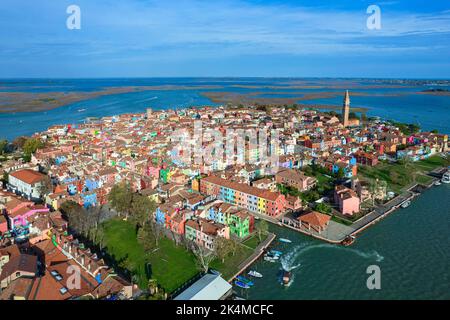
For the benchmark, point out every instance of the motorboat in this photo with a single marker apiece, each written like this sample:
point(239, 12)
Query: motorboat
point(245, 280)
point(446, 178)
point(255, 274)
point(272, 256)
point(405, 204)
point(286, 278)
point(437, 183)
point(285, 240)
point(270, 259)
point(348, 240)
point(241, 284)
point(276, 252)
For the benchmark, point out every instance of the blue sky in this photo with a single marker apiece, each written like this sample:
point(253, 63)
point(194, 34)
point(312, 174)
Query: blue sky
point(165, 38)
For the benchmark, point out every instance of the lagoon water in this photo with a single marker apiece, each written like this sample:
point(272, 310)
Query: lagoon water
point(411, 246)
point(431, 112)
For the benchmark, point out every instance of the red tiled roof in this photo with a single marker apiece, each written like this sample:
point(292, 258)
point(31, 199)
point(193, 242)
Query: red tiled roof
point(28, 176)
point(268, 195)
point(315, 218)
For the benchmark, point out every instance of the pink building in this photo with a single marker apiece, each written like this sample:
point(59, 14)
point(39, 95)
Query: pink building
point(21, 215)
point(347, 200)
point(3, 224)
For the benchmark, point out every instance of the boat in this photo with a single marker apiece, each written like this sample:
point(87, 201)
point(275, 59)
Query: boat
point(241, 284)
point(81, 110)
point(245, 280)
point(286, 278)
point(215, 272)
point(405, 204)
point(284, 240)
point(348, 240)
point(276, 252)
point(266, 258)
point(446, 177)
point(272, 256)
point(255, 274)
point(437, 183)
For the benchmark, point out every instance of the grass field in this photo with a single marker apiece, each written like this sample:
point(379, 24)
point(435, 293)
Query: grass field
point(230, 266)
point(122, 245)
point(170, 265)
point(399, 176)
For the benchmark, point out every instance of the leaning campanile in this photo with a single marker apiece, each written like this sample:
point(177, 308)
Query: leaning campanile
point(346, 109)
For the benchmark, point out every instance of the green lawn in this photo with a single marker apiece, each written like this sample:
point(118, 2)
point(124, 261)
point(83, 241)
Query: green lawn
point(252, 242)
point(230, 266)
point(398, 176)
point(170, 265)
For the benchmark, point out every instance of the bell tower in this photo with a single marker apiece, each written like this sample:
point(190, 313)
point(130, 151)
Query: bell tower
point(346, 109)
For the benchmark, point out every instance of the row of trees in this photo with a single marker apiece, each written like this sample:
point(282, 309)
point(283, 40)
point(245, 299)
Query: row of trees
point(86, 222)
point(27, 145)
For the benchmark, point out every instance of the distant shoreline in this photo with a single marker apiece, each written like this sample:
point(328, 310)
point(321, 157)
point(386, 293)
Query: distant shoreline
point(22, 102)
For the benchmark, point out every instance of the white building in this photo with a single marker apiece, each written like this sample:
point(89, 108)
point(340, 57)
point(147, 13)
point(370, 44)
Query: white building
point(26, 183)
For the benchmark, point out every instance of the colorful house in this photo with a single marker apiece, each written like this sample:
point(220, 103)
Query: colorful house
point(253, 199)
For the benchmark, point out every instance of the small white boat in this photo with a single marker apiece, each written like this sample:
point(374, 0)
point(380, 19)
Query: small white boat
point(437, 183)
point(285, 240)
point(81, 110)
point(255, 274)
point(269, 259)
point(405, 204)
point(446, 177)
point(271, 256)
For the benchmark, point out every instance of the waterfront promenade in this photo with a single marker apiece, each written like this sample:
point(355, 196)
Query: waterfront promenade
point(336, 232)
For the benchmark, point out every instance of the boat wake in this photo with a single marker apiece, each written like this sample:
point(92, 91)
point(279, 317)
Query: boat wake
point(290, 260)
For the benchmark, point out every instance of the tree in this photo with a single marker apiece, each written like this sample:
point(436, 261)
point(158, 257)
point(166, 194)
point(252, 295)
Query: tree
point(223, 247)
point(203, 256)
point(19, 142)
point(353, 115)
point(323, 208)
point(363, 117)
point(121, 198)
point(30, 146)
point(394, 176)
point(340, 173)
point(3, 145)
point(46, 187)
point(75, 215)
point(141, 209)
point(145, 237)
point(373, 188)
point(262, 228)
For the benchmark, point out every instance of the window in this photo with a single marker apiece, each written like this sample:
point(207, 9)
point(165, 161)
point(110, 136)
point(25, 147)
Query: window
point(63, 290)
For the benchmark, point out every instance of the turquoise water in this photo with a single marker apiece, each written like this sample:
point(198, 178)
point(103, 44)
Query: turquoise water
point(411, 247)
point(432, 112)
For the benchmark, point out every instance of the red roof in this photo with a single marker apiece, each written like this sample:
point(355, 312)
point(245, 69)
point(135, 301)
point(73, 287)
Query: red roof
point(268, 195)
point(315, 218)
point(28, 176)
